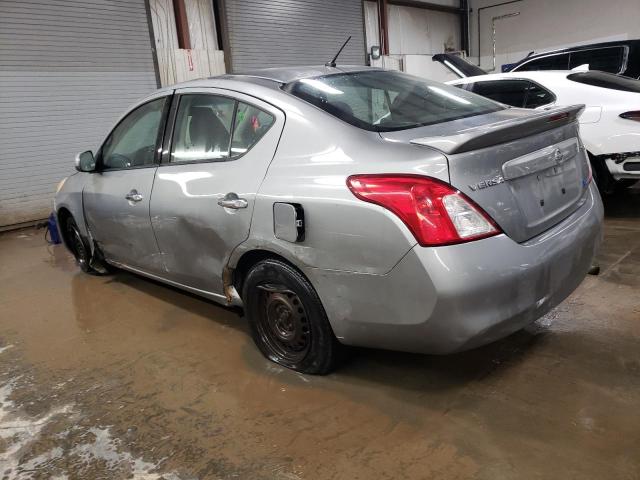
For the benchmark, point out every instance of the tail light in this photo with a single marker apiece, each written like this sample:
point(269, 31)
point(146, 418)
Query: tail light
point(631, 115)
point(434, 211)
point(589, 173)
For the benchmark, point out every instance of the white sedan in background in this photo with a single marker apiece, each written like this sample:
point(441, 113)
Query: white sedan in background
point(609, 124)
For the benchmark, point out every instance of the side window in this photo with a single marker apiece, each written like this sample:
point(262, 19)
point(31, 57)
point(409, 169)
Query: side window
point(133, 142)
point(552, 62)
point(203, 128)
point(250, 125)
point(604, 59)
point(510, 92)
point(538, 96)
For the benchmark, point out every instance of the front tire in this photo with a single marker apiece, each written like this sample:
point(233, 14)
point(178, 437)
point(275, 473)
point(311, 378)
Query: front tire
point(78, 246)
point(82, 252)
point(287, 320)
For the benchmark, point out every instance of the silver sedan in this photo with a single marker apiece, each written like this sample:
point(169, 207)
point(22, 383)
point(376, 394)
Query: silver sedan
point(342, 206)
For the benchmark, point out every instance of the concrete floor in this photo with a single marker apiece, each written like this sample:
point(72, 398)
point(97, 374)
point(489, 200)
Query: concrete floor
point(119, 377)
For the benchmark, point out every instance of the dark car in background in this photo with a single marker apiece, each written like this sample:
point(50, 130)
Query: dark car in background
point(620, 57)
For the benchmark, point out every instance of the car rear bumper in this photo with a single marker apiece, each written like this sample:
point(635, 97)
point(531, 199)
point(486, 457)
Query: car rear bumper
point(626, 168)
point(447, 299)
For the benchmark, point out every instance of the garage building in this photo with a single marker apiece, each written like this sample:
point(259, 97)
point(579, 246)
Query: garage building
point(68, 69)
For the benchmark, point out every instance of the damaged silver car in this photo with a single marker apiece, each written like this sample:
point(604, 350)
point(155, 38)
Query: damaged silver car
point(342, 206)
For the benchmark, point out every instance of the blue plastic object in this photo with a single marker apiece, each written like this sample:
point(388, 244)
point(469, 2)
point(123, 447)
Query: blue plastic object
point(52, 227)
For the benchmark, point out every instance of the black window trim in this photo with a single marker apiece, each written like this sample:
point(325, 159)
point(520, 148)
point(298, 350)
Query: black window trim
point(567, 53)
point(625, 57)
point(553, 95)
point(167, 145)
point(159, 139)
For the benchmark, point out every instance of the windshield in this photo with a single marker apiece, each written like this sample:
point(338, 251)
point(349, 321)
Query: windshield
point(383, 101)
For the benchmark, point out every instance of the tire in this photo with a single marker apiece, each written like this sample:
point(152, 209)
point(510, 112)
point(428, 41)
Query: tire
point(627, 182)
point(287, 320)
point(82, 253)
point(603, 178)
point(78, 246)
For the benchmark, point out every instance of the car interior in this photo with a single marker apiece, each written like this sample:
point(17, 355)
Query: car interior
point(204, 124)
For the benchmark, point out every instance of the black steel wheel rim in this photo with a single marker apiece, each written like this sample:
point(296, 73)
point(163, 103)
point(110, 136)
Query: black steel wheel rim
point(79, 249)
point(283, 324)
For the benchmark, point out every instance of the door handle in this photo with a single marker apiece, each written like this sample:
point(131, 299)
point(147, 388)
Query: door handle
point(231, 200)
point(133, 196)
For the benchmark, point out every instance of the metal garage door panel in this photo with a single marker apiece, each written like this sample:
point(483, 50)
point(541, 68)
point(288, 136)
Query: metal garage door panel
point(272, 33)
point(68, 69)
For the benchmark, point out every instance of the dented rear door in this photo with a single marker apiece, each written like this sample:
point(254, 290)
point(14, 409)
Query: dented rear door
point(202, 201)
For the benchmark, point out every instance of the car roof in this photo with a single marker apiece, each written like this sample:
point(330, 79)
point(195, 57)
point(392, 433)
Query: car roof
point(262, 83)
point(274, 77)
point(291, 74)
point(587, 46)
point(575, 48)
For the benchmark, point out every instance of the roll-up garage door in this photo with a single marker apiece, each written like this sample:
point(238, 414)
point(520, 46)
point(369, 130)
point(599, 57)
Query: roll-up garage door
point(68, 69)
point(273, 33)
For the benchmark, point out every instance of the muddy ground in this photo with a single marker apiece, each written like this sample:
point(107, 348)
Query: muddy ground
point(120, 377)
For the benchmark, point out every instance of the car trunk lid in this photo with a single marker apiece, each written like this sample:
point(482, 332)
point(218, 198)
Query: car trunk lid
point(458, 65)
point(527, 170)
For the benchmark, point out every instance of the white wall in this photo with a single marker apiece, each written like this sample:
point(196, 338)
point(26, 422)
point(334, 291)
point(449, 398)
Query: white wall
point(550, 24)
point(371, 27)
point(416, 31)
point(415, 34)
point(178, 65)
point(202, 26)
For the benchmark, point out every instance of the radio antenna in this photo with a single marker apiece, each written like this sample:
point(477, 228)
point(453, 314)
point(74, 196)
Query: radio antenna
point(332, 63)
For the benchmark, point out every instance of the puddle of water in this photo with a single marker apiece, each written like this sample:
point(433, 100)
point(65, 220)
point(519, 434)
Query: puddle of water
point(18, 432)
point(99, 452)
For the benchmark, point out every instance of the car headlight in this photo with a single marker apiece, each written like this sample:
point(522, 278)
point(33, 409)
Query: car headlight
point(61, 184)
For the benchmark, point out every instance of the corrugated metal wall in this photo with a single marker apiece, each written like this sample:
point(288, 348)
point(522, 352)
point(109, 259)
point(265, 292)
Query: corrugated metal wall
point(68, 69)
point(272, 33)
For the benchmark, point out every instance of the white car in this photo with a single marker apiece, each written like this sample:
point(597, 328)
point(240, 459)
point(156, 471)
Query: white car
point(609, 124)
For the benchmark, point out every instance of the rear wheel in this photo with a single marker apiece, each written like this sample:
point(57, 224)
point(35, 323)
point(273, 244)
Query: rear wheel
point(287, 320)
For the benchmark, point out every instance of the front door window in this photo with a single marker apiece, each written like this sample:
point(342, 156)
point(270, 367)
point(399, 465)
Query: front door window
point(133, 142)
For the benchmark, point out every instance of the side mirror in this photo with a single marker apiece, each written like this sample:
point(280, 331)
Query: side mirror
point(375, 52)
point(85, 162)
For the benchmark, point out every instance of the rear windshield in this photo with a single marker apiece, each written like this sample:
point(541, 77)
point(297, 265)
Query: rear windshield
point(606, 80)
point(384, 101)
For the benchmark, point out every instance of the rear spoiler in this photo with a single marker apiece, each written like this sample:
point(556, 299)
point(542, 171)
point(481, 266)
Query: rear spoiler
point(503, 131)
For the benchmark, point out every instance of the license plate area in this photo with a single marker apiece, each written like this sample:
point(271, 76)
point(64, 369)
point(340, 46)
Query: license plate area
point(547, 183)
